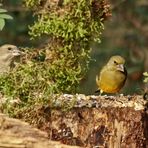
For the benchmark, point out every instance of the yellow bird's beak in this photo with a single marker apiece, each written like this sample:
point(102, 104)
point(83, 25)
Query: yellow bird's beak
point(120, 67)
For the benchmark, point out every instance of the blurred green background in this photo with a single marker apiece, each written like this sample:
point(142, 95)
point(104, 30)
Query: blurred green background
point(125, 33)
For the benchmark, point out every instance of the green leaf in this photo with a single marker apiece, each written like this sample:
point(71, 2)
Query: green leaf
point(2, 23)
point(145, 73)
point(6, 16)
point(3, 10)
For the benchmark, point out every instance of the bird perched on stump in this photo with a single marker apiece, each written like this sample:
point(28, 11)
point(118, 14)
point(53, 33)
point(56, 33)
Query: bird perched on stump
point(8, 55)
point(112, 76)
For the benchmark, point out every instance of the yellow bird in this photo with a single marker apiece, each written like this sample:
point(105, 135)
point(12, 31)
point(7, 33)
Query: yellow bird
point(112, 76)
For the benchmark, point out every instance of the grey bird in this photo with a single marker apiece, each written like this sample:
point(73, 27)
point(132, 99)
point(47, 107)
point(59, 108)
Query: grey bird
point(8, 55)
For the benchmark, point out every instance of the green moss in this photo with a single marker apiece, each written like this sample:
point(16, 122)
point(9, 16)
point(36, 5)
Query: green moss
point(32, 3)
point(61, 65)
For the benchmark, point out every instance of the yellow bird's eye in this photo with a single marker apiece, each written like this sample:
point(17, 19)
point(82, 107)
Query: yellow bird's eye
point(115, 62)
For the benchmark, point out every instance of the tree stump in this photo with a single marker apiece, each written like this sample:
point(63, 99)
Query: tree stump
point(100, 121)
point(92, 121)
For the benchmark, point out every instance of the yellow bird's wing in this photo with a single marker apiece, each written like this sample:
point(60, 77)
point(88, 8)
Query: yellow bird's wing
point(110, 81)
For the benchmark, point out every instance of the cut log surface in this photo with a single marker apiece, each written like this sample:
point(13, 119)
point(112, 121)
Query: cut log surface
point(18, 134)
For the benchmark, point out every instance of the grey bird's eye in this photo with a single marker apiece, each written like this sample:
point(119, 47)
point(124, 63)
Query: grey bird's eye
point(9, 48)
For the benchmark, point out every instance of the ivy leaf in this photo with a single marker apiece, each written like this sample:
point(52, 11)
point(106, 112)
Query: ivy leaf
point(6, 16)
point(145, 73)
point(146, 77)
point(3, 10)
point(2, 23)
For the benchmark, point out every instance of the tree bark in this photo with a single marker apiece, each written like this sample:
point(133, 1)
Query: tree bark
point(101, 121)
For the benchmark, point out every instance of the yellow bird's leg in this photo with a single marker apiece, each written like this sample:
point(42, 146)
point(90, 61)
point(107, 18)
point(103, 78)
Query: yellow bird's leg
point(118, 97)
point(101, 92)
point(117, 94)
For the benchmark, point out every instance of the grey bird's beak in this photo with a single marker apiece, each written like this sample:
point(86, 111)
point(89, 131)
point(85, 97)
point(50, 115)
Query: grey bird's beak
point(120, 67)
point(17, 52)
